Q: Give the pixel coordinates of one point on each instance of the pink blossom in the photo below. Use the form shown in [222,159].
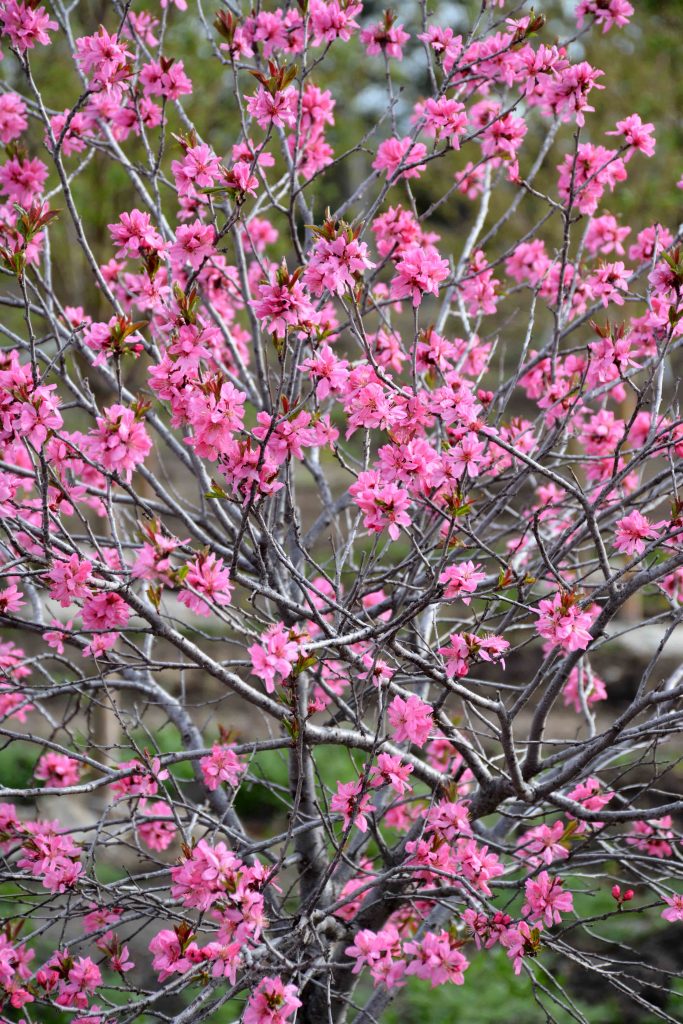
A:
[144,25]
[169,957]
[134,234]
[353,804]
[520,941]
[463,647]
[596,169]
[211,580]
[419,270]
[488,648]
[11,599]
[443,118]
[157,835]
[384,504]
[653,837]
[410,719]
[589,795]
[165,78]
[486,931]
[68,580]
[436,959]
[460,580]
[369,948]
[317,108]
[566,94]
[58,770]
[369,404]
[100,644]
[209,874]
[53,858]
[272,1002]
[116,337]
[118,955]
[543,844]
[609,281]
[259,234]
[449,819]
[120,441]
[466,456]
[470,181]
[226,959]
[270,30]
[194,244]
[104,59]
[283,304]
[583,688]
[221,765]
[248,152]
[398,230]
[39,415]
[480,288]
[607,13]
[604,236]
[456,655]
[240,178]
[333,19]
[545,899]
[54,638]
[80,125]
[529,262]
[650,239]
[390,770]
[153,560]
[142,779]
[330,372]
[275,656]
[561,621]
[674,909]
[82,979]
[393,154]
[277,109]
[100,917]
[632,532]
[504,136]
[199,168]
[385,37]
[478,864]
[286,436]
[22,181]
[26,24]
[215,412]
[12,117]
[105,611]
[335,264]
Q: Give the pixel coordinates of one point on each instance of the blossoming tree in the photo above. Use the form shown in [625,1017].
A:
[321,486]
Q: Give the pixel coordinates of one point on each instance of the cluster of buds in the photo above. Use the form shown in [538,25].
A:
[622,897]
[17,239]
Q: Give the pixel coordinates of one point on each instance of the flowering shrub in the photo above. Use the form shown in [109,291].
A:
[322,486]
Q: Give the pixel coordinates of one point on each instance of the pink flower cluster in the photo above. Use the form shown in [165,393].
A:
[435,957]
[274,658]
[221,765]
[561,621]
